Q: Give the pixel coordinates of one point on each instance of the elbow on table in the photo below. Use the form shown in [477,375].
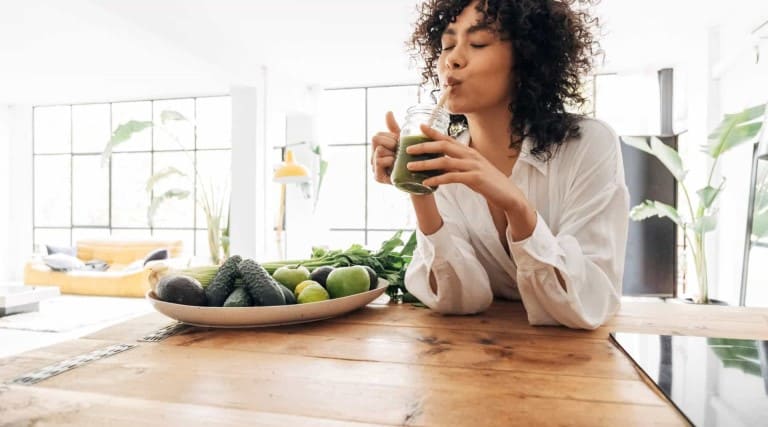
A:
[465,305]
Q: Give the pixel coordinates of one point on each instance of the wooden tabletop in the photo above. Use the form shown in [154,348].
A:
[386,364]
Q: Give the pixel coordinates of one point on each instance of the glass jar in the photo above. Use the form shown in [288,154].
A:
[410,134]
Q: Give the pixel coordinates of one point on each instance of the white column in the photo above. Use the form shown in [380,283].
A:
[249,158]
[19,172]
[5,196]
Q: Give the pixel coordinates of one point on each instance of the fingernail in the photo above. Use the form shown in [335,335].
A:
[410,149]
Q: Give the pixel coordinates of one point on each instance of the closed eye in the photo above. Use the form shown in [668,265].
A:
[447,48]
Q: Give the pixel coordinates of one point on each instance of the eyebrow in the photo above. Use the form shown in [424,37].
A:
[473,29]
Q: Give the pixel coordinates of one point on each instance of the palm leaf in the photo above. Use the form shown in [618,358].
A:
[735,129]
[168,115]
[651,208]
[639,142]
[708,194]
[159,176]
[668,157]
[173,193]
[122,134]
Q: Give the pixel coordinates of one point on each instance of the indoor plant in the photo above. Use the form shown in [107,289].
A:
[215,206]
[698,217]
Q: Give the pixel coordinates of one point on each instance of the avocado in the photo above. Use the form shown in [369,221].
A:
[373,276]
[223,282]
[238,298]
[320,274]
[290,298]
[263,289]
[180,289]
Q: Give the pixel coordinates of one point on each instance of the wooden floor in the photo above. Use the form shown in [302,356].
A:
[382,365]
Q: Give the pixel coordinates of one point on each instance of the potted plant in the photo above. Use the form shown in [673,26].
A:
[698,217]
[215,206]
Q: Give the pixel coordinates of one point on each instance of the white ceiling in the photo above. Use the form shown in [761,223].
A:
[75,50]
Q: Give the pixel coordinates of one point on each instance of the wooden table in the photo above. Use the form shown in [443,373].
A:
[386,364]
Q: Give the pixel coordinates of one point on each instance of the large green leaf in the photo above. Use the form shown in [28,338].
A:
[651,208]
[736,129]
[705,224]
[168,115]
[707,195]
[668,157]
[160,175]
[173,193]
[639,142]
[122,134]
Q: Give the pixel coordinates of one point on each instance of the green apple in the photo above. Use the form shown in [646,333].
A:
[345,281]
[291,275]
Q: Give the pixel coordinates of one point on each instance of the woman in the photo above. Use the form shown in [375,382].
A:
[532,204]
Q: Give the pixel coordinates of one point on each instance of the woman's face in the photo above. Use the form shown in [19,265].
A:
[476,64]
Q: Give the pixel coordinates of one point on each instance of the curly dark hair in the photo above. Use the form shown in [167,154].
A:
[553,47]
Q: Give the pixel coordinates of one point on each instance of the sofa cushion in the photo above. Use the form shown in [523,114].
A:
[63,262]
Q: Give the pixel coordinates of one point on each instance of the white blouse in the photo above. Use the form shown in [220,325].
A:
[582,206]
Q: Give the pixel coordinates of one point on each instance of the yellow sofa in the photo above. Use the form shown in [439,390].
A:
[119,254]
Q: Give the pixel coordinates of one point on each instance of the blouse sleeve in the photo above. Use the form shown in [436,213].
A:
[588,250]
[462,283]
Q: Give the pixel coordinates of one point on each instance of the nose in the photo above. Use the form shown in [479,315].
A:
[455,59]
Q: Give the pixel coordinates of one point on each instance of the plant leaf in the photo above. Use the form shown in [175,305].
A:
[120,135]
[409,246]
[707,195]
[173,193]
[638,142]
[160,175]
[168,115]
[705,224]
[668,157]
[651,208]
[735,129]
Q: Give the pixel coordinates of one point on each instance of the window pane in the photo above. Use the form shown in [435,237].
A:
[343,239]
[52,190]
[90,128]
[342,198]
[214,122]
[342,116]
[214,168]
[380,100]
[123,112]
[173,212]
[138,234]
[89,233]
[130,200]
[180,133]
[50,236]
[90,191]
[187,238]
[52,129]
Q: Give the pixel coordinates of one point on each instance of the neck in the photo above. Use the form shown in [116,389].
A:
[490,135]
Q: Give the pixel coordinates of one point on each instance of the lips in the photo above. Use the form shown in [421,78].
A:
[452,81]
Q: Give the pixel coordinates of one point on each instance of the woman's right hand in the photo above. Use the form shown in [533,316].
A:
[384,145]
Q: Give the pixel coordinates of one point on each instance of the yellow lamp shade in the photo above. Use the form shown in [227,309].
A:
[290,172]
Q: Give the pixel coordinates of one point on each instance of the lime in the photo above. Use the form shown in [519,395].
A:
[313,292]
[300,287]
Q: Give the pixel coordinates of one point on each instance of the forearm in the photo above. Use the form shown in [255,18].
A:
[521,218]
[427,215]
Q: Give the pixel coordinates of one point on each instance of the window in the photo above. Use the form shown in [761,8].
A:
[361,210]
[77,197]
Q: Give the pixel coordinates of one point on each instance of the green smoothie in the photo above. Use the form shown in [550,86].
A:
[407,180]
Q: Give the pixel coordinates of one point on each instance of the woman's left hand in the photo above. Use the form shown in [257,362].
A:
[463,164]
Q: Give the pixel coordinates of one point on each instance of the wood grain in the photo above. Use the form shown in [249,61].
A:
[386,364]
